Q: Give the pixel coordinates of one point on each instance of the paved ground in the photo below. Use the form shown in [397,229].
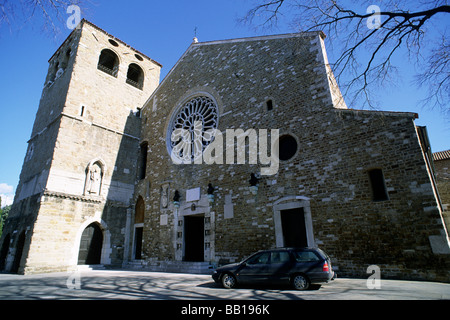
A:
[130,285]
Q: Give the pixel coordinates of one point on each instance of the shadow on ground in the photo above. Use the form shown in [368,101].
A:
[136,285]
[125,285]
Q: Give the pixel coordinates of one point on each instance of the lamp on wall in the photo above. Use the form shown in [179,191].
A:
[210,192]
[176,199]
[253,184]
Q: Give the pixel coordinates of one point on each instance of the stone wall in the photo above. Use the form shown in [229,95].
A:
[442,173]
[83,153]
[328,177]
[442,169]
[59,227]
[108,126]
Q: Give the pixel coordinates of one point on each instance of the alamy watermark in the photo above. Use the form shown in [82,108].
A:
[374,280]
[188,147]
[374,21]
[75,16]
[73,282]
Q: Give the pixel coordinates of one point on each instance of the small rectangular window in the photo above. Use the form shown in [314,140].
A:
[269,105]
[379,191]
[82,111]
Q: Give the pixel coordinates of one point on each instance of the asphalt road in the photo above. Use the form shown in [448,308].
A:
[135,285]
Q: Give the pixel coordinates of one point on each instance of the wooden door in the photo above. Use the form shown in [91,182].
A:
[91,245]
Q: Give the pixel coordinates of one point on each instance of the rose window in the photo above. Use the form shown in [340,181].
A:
[192,129]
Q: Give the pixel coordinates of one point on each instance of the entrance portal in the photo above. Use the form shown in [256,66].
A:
[294,229]
[194,237]
[91,245]
[19,252]
[4,252]
[138,228]
[138,231]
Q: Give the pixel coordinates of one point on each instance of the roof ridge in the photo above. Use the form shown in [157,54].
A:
[115,38]
[259,38]
[109,35]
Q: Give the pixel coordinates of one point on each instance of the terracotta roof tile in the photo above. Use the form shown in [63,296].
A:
[441,155]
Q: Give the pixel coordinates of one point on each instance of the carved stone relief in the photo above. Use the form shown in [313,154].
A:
[165,195]
[94,178]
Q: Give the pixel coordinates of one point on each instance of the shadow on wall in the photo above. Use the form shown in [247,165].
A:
[103,241]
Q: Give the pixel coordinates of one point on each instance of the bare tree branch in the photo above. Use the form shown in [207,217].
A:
[271,8]
[399,28]
[17,13]
[437,75]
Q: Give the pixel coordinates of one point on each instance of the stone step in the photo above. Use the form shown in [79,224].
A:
[171,266]
[90,267]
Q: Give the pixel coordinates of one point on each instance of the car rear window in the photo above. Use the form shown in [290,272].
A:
[323,254]
[305,256]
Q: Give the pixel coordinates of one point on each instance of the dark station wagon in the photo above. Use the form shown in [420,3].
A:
[299,267]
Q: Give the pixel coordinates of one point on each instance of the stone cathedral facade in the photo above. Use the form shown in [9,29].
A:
[247,144]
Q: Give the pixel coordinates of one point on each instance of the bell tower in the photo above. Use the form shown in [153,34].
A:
[80,168]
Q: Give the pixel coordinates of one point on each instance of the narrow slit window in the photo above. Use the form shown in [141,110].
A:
[269,105]
[377,182]
[143,161]
[55,71]
[66,59]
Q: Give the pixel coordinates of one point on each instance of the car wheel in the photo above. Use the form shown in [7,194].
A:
[300,282]
[228,281]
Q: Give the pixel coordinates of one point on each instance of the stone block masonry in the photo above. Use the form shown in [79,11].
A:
[326,179]
[81,165]
[442,174]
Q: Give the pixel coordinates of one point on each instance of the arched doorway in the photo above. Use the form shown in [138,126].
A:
[4,252]
[91,243]
[18,255]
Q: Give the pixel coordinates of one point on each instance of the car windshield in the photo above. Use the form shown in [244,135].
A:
[248,257]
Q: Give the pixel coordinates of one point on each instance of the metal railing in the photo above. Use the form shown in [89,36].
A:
[134,83]
[112,72]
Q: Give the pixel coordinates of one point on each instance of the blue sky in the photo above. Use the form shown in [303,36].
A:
[163,30]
